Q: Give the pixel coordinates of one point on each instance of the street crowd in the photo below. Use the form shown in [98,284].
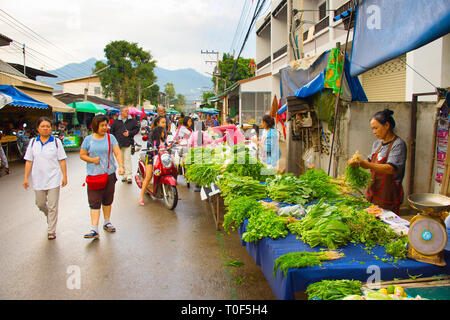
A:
[108,150]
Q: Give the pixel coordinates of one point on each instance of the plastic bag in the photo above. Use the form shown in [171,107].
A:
[296,211]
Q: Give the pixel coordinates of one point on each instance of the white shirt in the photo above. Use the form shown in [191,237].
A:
[46,171]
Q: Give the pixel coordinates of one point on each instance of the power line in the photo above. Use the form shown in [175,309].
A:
[19,48]
[255,16]
[239,25]
[40,61]
[49,42]
[23,29]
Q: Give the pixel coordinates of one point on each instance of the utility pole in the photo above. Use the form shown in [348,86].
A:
[24,66]
[216,70]
[139,90]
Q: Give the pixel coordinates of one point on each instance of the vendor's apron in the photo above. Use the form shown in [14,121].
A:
[384,191]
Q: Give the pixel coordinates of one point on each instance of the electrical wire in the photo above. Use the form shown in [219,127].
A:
[42,62]
[256,14]
[38,39]
[38,35]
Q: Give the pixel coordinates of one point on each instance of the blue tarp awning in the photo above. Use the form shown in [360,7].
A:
[343,15]
[20,99]
[305,83]
[386,29]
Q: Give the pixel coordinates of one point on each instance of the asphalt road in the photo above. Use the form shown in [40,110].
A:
[155,253]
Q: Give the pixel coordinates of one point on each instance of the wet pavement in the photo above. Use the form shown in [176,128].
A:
[155,253]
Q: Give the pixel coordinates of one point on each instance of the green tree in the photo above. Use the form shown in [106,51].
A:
[169,90]
[207,95]
[129,67]
[180,100]
[242,71]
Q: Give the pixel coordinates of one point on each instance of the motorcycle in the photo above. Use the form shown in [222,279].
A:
[163,184]
[22,141]
[178,154]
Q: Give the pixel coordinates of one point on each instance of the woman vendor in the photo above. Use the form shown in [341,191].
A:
[387,163]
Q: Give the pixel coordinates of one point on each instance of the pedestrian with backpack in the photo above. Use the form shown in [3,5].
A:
[45,160]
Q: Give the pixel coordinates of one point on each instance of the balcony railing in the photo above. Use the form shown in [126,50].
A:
[263,63]
[343,8]
[322,24]
[280,52]
[347,23]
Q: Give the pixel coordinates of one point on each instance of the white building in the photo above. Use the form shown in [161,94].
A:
[80,85]
[314,31]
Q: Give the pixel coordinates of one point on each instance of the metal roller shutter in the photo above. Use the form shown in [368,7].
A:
[386,82]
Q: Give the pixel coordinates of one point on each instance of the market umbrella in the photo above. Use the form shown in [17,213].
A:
[109,109]
[4,100]
[136,112]
[86,106]
[209,111]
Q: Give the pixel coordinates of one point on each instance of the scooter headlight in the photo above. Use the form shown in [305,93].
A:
[166,160]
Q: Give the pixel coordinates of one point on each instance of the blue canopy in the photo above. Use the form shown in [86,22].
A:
[386,29]
[20,99]
[305,83]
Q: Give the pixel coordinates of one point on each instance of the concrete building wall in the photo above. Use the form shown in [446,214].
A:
[428,61]
[94,88]
[263,45]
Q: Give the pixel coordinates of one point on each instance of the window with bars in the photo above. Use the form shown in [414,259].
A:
[322,10]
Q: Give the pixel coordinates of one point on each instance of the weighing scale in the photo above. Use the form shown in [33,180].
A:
[427,236]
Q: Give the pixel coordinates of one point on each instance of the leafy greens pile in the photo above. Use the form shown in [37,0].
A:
[303,259]
[265,224]
[333,289]
[288,189]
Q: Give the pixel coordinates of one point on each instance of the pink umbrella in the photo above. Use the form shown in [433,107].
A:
[136,112]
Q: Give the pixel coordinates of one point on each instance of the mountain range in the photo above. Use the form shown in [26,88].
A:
[188,82]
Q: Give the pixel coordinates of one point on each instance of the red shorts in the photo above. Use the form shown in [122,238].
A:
[105,196]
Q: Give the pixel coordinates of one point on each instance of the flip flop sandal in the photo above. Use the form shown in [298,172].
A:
[109,227]
[51,236]
[92,235]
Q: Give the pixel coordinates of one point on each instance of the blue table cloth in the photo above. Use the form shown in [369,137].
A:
[355,265]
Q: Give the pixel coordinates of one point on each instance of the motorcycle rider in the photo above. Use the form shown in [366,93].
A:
[157,139]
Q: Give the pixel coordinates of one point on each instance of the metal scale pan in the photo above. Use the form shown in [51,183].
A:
[427,234]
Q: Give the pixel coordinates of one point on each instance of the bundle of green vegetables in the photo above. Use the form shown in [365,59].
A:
[288,189]
[357,177]
[398,248]
[365,227]
[265,224]
[233,186]
[336,225]
[246,165]
[323,225]
[202,174]
[320,182]
[333,289]
[303,259]
[238,210]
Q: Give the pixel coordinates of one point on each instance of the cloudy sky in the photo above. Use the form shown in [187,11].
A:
[174,31]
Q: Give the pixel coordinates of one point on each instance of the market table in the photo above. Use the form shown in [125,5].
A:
[355,265]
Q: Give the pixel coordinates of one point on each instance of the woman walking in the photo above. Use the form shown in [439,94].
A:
[45,160]
[98,150]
